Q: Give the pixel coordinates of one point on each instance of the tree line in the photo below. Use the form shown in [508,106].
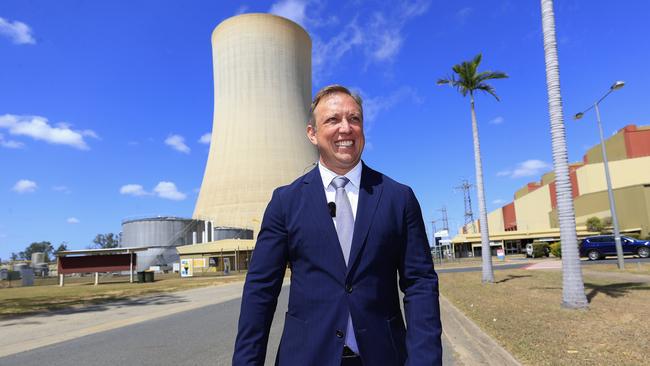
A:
[101,241]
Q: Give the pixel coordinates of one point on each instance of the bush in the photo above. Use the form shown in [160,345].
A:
[594,224]
[540,249]
[607,221]
[556,249]
[634,235]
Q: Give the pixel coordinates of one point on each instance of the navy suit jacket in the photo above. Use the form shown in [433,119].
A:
[389,248]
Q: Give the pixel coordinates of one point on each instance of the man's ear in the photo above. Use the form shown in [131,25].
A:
[311,134]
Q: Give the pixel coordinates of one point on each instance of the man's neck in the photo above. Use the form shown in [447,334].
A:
[340,172]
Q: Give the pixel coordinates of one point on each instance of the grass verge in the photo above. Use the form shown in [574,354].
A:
[80,292]
[634,268]
[522,312]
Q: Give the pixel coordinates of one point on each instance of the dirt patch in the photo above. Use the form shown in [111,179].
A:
[522,312]
[81,292]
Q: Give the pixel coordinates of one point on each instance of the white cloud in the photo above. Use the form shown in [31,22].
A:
[10,144]
[169,191]
[497,121]
[38,128]
[205,138]
[380,38]
[133,190]
[242,9]
[18,32]
[327,54]
[528,168]
[63,189]
[498,201]
[463,14]
[373,106]
[177,142]
[72,220]
[25,186]
[290,9]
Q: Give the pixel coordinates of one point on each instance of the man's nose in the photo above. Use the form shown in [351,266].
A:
[344,126]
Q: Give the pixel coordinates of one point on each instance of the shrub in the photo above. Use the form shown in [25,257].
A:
[634,235]
[556,249]
[607,221]
[540,249]
[594,224]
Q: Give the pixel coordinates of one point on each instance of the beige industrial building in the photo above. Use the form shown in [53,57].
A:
[532,214]
[262,93]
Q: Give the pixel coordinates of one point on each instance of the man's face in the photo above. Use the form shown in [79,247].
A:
[338,133]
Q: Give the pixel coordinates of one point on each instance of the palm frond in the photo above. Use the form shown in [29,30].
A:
[488,89]
[490,75]
[466,79]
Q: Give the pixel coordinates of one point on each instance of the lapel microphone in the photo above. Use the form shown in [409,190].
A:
[331,206]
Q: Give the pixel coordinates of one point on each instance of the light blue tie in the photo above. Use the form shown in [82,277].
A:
[344,230]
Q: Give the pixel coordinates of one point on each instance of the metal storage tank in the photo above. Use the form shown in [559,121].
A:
[38,258]
[262,94]
[164,232]
[221,233]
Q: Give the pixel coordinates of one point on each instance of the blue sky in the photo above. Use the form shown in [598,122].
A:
[103,104]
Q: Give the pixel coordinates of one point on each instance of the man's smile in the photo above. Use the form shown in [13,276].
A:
[344,143]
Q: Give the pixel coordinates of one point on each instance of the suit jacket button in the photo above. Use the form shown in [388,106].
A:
[348,288]
[339,334]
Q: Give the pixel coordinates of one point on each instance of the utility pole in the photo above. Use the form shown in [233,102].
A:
[467,197]
[433,229]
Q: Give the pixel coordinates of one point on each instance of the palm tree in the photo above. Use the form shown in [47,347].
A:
[467,80]
[573,289]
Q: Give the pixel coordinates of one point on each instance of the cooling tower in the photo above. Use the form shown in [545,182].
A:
[262,93]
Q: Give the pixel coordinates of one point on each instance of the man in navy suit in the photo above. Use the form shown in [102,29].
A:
[350,236]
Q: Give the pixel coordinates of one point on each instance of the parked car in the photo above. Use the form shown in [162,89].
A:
[597,247]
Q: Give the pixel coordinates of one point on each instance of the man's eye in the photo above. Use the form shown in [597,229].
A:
[331,120]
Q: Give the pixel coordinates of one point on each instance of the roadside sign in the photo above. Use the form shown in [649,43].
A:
[186,268]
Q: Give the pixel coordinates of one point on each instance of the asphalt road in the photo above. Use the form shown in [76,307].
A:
[203,336]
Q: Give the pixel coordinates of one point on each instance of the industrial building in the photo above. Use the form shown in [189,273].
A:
[532,215]
[162,234]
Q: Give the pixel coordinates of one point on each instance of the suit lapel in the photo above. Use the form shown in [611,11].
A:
[316,204]
[369,194]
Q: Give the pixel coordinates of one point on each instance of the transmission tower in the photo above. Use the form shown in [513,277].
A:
[469,215]
[445,220]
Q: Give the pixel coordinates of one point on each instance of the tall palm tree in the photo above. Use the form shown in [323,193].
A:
[573,289]
[468,80]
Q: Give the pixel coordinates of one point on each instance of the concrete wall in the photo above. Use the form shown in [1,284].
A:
[628,172]
[615,146]
[532,210]
[632,204]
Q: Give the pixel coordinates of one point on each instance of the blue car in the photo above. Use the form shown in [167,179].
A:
[597,247]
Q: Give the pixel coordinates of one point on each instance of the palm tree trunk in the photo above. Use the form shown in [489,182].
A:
[486,253]
[573,290]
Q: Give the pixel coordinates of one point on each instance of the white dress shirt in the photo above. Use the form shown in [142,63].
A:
[352,188]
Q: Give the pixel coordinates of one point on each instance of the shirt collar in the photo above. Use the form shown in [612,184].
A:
[354,175]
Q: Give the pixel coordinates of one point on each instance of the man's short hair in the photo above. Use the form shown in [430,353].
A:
[327,91]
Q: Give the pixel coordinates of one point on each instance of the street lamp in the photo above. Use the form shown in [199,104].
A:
[612,205]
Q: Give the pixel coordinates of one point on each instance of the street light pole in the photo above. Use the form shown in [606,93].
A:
[610,191]
[610,194]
